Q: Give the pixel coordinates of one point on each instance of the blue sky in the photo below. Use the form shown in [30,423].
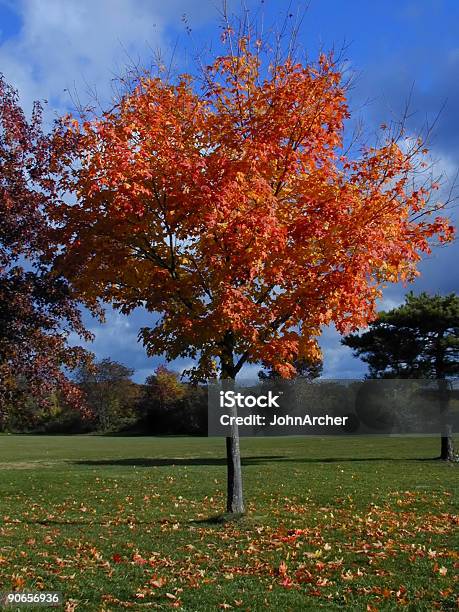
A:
[59,50]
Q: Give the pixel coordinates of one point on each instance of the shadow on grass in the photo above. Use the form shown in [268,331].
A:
[216,520]
[223,519]
[247,461]
[150,462]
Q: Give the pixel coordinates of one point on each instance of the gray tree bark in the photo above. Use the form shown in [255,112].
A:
[235,498]
[447,445]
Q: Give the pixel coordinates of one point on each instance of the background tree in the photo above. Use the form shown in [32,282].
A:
[160,406]
[165,385]
[37,309]
[109,392]
[228,203]
[169,406]
[419,339]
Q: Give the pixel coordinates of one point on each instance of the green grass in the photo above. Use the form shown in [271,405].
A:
[116,523]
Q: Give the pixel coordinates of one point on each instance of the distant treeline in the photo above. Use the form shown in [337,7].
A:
[113,403]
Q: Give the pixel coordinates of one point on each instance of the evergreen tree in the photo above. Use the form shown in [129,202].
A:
[419,339]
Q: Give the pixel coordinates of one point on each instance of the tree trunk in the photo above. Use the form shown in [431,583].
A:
[447,446]
[234,499]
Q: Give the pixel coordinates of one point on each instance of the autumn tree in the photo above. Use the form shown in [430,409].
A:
[166,407]
[227,203]
[37,309]
[419,339]
[109,392]
[165,385]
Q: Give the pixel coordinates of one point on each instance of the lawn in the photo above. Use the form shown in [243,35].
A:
[115,523]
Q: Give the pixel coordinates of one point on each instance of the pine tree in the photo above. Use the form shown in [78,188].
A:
[419,339]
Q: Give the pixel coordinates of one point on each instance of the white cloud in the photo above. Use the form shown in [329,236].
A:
[76,44]
[387,303]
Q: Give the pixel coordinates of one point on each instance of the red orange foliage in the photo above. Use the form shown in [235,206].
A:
[230,208]
[37,309]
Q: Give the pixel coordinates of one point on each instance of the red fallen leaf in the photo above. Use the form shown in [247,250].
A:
[304,575]
[117,558]
[282,569]
[298,532]
[157,583]
[138,559]
[290,538]
[287,582]
[17,581]
[319,565]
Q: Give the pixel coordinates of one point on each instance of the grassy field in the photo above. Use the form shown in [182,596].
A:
[131,523]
